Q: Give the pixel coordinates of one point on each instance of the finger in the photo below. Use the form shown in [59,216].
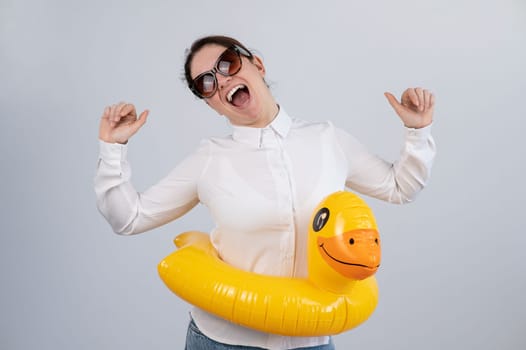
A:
[427,99]
[140,122]
[112,114]
[143,117]
[118,111]
[432,101]
[105,118]
[421,102]
[410,95]
[394,102]
[128,109]
[106,113]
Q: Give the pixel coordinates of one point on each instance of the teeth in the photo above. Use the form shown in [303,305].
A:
[233,91]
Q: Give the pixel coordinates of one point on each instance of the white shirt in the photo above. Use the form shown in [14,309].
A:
[261,186]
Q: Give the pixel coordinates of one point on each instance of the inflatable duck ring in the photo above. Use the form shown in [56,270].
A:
[339,293]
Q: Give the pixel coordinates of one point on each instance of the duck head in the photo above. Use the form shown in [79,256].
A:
[344,244]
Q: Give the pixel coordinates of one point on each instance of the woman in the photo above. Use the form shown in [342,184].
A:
[261,183]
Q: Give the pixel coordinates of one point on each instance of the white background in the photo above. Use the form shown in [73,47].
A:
[453,267]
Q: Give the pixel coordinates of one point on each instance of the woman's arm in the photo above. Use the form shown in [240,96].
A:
[397,182]
[127,210]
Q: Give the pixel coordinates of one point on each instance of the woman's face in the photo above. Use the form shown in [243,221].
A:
[243,98]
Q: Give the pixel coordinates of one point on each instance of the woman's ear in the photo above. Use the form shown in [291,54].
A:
[258,62]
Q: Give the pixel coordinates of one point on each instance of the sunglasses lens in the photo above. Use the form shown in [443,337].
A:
[229,63]
[206,84]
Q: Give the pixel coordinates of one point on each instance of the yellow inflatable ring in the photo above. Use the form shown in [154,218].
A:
[339,293]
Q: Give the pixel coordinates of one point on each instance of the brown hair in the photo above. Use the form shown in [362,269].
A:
[197,45]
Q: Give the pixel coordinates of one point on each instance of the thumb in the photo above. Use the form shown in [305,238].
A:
[140,122]
[397,106]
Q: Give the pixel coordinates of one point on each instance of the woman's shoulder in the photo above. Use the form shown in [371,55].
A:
[218,143]
[316,126]
[217,140]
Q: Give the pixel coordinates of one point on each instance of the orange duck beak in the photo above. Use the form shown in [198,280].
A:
[355,254]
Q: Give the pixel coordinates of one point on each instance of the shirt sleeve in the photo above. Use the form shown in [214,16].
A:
[397,182]
[128,211]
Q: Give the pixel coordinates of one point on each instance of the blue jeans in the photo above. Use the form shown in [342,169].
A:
[195,340]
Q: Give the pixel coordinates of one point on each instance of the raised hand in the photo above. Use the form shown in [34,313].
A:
[119,122]
[416,107]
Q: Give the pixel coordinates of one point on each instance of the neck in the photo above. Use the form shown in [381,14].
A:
[271,113]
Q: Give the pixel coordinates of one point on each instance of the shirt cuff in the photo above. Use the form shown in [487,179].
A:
[112,151]
[419,134]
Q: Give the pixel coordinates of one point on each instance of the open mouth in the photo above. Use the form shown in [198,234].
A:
[238,96]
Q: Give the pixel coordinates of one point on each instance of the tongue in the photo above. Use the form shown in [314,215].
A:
[240,97]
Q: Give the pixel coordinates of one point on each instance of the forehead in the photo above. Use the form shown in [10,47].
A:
[205,58]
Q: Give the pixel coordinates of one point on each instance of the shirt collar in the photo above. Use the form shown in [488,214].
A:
[280,125]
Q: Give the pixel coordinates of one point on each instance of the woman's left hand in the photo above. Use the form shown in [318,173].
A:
[416,107]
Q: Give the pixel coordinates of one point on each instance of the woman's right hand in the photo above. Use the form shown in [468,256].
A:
[119,122]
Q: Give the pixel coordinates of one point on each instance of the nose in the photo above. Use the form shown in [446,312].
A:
[222,81]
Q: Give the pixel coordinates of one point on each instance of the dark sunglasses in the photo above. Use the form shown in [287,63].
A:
[228,64]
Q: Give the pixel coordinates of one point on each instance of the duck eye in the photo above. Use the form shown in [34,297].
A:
[320,219]
[376,240]
[351,241]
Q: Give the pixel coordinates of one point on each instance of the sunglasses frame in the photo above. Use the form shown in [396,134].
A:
[239,51]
